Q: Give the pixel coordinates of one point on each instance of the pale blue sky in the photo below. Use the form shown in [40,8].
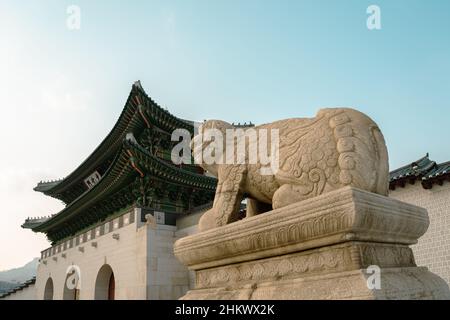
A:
[61,91]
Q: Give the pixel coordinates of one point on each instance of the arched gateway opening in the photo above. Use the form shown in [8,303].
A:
[48,291]
[105,284]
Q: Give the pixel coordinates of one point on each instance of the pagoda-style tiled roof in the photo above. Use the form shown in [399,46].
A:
[438,171]
[156,167]
[140,111]
[131,167]
[21,286]
[109,194]
[118,173]
[424,170]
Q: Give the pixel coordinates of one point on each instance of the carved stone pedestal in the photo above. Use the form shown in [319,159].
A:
[320,248]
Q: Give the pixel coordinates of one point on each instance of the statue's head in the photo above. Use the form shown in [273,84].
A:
[203,139]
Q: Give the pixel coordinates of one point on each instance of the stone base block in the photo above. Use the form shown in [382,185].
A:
[395,284]
[320,248]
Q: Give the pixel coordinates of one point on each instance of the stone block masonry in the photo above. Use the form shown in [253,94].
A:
[140,254]
[433,249]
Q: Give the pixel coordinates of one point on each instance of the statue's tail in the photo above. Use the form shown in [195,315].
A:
[363,157]
[382,182]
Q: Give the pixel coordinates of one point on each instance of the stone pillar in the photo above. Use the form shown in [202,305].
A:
[321,248]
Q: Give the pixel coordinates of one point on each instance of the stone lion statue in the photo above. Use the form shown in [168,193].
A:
[337,148]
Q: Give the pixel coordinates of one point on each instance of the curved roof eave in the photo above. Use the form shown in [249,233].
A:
[130,119]
[127,121]
[173,173]
[117,172]
[121,170]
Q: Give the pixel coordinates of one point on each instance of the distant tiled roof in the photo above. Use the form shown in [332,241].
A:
[426,171]
[22,286]
[439,170]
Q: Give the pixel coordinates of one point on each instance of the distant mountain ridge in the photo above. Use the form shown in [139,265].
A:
[19,275]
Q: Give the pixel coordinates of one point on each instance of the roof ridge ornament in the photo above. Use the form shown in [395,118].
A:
[138,84]
[130,137]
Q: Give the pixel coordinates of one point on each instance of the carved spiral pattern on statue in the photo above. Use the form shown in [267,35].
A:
[336,259]
[335,149]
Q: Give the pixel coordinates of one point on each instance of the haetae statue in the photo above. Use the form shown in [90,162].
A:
[328,229]
[337,148]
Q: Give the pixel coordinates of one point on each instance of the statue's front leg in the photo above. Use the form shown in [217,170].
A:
[227,200]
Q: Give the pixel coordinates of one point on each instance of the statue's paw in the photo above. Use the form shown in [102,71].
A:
[208,221]
[288,194]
